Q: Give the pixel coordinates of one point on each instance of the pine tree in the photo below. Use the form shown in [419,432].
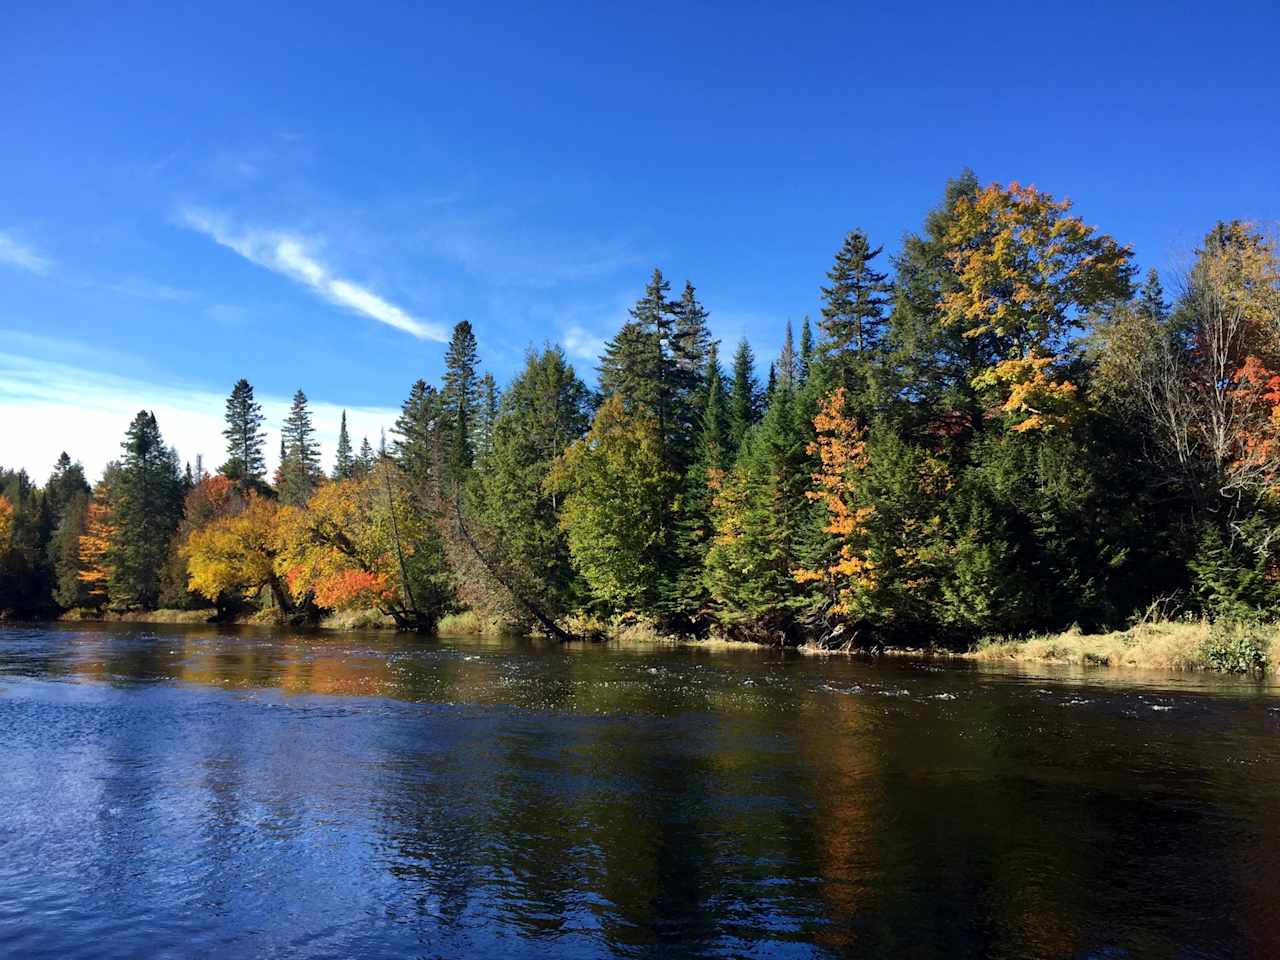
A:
[146,509]
[300,469]
[744,395]
[245,437]
[343,463]
[461,397]
[854,304]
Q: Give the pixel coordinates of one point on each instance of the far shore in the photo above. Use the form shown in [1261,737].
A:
[1173,646]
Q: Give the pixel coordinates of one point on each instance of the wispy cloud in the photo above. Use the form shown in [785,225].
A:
[582,344]
[49,406]
[16,254]
[141,288]
[288,254]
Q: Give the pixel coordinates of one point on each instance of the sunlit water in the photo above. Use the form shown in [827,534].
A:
[176,792]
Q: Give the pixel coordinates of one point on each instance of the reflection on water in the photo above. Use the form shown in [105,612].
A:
[191,792]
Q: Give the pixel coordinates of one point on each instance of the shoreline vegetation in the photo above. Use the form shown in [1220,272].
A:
[1162,645]
[994,432]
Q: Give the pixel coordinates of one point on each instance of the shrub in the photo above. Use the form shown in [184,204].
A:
[1236,647]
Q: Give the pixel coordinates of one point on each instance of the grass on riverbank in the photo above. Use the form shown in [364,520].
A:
[1160,645]
[141,616]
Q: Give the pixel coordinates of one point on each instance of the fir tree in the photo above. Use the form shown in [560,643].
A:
[1151,298]
[715,441]
[364,460]
[854,305]
[244,434]
[344,462]
[787,366]
[806,350]
[744,396]
[300,470]
[146,510]
[487,417]
[461,398]
[630,367]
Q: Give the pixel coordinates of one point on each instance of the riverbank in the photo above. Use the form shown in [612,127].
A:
[1160,645]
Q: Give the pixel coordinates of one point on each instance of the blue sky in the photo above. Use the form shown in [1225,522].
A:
[311,195]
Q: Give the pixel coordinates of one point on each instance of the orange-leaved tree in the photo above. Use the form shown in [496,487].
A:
[841,449]
[95,546]
[6,522]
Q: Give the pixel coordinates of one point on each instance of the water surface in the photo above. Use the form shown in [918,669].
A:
[196,792]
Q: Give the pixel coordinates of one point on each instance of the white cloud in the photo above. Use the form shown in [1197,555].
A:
[287,254]
[582,344]
[14,253]
[48,407]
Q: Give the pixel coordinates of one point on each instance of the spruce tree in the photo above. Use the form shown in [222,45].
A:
[487,417]
[244,434]
[514,516]
[419,447]
[344,462]
[630,367]
[146,510]
[744,396]
[854,305]
[1151,298]
[689,351]
[364,460]
[66,482]
[806,350]
[300,470]
[787,365]
[461,396]
[714,442]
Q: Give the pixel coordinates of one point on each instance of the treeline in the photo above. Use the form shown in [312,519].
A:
[997,432]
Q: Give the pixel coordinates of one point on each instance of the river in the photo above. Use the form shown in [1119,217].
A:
[203,792]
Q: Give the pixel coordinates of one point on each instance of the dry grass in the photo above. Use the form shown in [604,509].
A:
[142,616]
[1160,645]
[474,624]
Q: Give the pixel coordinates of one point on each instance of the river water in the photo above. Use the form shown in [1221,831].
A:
[198,792]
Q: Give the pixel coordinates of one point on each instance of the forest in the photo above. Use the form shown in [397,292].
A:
[997,431]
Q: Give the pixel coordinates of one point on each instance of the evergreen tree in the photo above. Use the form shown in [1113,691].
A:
[461,399]
[617,495]
[854,305]
[744,395]
[364,460]
[787,367]
[630,368]
[1151,298]
[689,351]
[344,462]
[488,415]
[760,516]
[515,516]
[65,483]
[715,441]
[419,446]
[146,510]
[806,350]
[70,591]
[245,437]
[300,468]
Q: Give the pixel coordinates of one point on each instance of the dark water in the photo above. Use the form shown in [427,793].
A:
[195,793]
